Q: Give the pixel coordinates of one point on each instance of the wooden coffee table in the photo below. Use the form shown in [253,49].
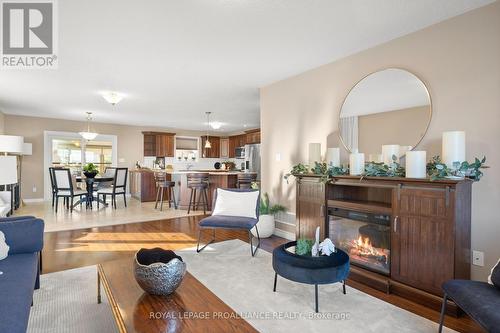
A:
[191,308]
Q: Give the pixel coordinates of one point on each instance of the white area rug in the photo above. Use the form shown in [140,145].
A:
[67,302]
[246,285]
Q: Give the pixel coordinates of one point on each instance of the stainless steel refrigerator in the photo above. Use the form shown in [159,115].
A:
[252,159]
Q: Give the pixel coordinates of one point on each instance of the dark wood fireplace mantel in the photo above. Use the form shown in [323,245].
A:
[430,228]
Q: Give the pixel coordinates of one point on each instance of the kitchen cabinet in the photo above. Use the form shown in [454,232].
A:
[214,151]
[143,184]
[252,136]
[224,147]
[236,141]
[149,144]
[159,144]
[165,145]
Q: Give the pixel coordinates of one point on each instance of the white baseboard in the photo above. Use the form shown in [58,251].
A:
[284,234]
[33,200]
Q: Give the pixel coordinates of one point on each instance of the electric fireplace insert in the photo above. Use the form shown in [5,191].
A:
[365,237]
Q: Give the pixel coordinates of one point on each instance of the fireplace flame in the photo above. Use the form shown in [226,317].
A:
[363,247]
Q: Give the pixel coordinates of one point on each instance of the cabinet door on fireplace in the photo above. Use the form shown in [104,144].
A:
[422,238]
[310,208]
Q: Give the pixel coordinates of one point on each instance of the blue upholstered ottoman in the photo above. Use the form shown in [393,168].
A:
[308,269]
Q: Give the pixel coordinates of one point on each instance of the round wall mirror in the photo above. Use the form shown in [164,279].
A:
[388,107]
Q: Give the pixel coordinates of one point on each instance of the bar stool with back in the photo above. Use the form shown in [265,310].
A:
[198,181]
[161,184]
[246,179]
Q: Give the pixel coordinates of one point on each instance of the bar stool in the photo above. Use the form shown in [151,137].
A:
[198,181]
[161,184]
[245,180]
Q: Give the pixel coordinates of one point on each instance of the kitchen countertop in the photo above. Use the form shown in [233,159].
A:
[181,172]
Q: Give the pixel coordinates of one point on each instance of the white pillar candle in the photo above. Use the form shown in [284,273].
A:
[333,157]
[377,158]
[356,163]
[314,153]
[416,164]
[388,151]
[453,149]
[403,150]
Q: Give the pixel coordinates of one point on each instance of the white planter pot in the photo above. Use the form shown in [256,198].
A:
[265,225]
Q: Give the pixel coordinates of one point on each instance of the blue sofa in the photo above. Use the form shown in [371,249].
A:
[21,271]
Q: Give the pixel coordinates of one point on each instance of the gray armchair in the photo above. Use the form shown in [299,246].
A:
[480,300]
[231,222]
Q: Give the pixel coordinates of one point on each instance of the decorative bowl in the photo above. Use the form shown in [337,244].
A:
[158,271]
[90,174]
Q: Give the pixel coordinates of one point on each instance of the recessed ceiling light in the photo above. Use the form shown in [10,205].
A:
[112,97]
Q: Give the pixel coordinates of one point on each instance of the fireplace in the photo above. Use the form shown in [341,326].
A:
[366,237]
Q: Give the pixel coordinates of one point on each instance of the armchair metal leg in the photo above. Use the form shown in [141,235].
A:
[199,238]
[275,281]
[443,310]
[251,241]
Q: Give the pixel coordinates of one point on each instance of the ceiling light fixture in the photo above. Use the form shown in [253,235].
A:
[88,135]
[112,97]
[208,145]
[216,125]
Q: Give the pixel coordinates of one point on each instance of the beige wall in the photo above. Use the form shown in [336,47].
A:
[403,127]
[459,60]
[130,144]
[2,122]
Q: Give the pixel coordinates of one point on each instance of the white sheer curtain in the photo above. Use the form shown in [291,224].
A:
[349,131]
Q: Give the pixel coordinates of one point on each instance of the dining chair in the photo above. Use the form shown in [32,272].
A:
[52,185]
[65,189]
[119,187]
[108,172]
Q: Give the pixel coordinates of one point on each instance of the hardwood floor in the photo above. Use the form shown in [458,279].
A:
[77,248]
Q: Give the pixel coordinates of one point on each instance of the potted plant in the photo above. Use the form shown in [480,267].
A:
[90,170]
[266,218]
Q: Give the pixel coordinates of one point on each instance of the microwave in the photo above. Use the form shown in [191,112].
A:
[239,152]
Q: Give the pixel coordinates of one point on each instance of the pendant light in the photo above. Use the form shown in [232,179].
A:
[208,145]
[88,135]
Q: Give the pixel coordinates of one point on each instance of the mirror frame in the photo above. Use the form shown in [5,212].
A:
[380,70]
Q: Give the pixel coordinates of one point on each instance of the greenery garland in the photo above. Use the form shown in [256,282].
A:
[436,170]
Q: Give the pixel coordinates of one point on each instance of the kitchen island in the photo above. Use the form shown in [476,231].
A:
[217,179]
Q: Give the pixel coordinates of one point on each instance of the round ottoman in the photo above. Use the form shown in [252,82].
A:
[309,269]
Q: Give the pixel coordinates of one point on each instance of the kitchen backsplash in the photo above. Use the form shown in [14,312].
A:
[202,163]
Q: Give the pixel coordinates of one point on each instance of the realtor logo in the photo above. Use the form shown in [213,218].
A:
[28,34]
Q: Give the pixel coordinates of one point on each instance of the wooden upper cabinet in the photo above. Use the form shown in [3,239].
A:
[164,145]
[252,136]
[158,144]
[149,144]
[422,239]
[224,147]
[214,151]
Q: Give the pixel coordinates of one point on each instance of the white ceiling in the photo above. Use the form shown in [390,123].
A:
[387,90]
[177,59]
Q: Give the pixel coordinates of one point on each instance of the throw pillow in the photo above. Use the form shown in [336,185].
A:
[4,248]
[232,203]
[4,207]
[494,277]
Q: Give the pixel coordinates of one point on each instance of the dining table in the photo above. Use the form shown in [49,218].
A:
[89,185]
